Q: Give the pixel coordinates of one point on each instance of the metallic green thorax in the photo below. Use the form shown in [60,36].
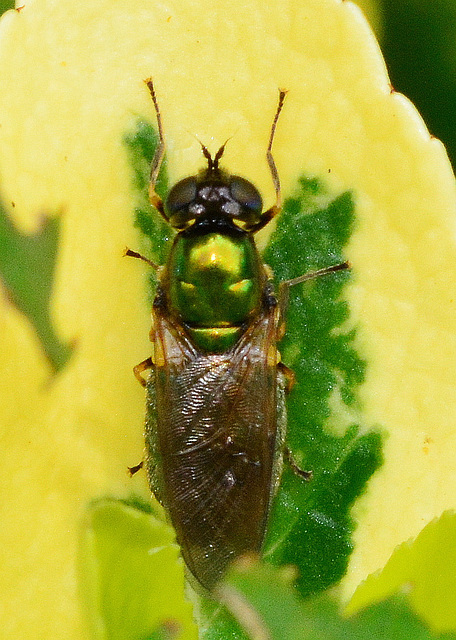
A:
[215,281]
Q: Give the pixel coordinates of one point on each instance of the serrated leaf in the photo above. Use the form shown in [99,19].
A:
[418,43]
[265,603]
[428,563]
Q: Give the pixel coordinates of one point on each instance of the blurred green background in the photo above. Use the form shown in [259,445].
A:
[418,41]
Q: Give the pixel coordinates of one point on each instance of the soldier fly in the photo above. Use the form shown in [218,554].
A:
[216,420]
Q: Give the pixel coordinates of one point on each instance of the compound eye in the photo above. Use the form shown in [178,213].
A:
[177,203]
[248,197]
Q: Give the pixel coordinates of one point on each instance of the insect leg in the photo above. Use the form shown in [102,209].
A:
[284,289]
[289,376]
[135,254]
[154,198]
[142,366]
[133,470]
[277,206]
[306,475]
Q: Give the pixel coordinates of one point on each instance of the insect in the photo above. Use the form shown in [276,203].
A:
[216,419]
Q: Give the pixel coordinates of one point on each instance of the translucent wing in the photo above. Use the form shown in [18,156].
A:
[215,436]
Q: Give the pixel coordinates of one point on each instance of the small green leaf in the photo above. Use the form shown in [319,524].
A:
[429,564]
[27,264]
[266,604]
[132,581]
[216,622]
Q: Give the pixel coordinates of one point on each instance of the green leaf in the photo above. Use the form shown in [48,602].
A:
[131,579]
[27,264]
[5,5]
[266,604]
[216,622]
[166,631]
[429,564]
[310,526]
